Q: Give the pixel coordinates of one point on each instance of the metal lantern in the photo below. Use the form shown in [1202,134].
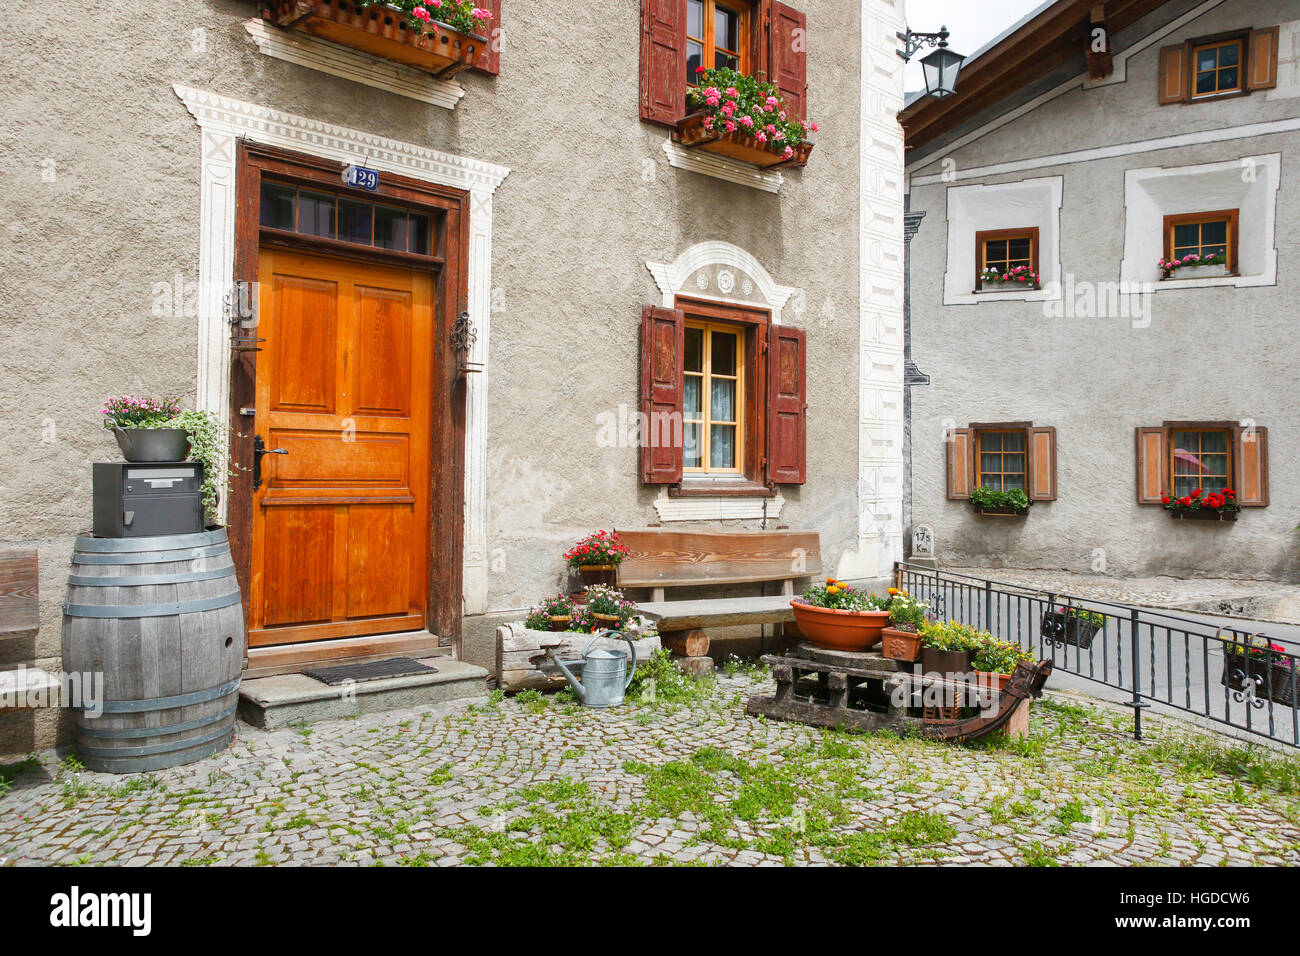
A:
[941,68]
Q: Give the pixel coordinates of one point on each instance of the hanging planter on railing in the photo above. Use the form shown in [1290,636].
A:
[401,32]
[1253,666]
[1071,625]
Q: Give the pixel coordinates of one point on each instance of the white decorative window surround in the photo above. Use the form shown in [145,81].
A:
[303,49]
[1248,185]
[701,508]
[1030,203]
[722,167]
[223,121]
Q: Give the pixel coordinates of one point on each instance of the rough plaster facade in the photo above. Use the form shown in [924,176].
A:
[103,205]
[1209,352]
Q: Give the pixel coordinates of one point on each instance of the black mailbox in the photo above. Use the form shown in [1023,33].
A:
[140,500]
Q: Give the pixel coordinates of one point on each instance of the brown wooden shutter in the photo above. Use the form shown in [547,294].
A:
[1261,64]
[490,61]
[788,58]
[787,405]
[1175,83]
[961,462]
[760,39]
[663,61]
[1252,469]
[663,347]
[1152,465]
[1042,463]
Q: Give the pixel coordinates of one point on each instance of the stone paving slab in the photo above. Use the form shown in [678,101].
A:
[533,780]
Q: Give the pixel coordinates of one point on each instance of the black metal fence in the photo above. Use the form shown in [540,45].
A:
[1233,676]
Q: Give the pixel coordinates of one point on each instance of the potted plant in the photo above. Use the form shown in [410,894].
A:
[1256,662]
[606,610]
[1072,625]
[998,280]
[901,640]
[993,661]
[442,37]
[597,558]
[553,614]
[1216,506]
[742,117]
[1195,266]
[947,648]
[1011,502]
[144,430]
[837,617]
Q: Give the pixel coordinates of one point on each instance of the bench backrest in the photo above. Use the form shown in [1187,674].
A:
[19,600]
[665,559]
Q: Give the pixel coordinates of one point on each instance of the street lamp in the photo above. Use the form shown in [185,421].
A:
[941,67]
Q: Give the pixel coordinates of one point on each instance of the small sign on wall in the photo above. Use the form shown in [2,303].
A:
[359,177]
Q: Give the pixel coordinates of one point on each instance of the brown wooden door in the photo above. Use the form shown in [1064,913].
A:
[341,523]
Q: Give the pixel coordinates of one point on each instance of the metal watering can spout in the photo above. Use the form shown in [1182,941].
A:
[605,671]
[573,681]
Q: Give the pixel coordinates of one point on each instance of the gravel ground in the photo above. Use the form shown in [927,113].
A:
[534,780]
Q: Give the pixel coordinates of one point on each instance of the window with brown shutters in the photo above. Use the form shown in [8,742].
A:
[1176,458]
[1214,67]
[761,38]
[1002,456]
[723,400]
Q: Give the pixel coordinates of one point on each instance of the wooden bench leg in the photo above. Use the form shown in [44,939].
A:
[695,666]
[784,678]
[692,643]
[838,685]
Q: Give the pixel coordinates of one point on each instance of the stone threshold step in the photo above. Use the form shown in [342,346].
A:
[285,699]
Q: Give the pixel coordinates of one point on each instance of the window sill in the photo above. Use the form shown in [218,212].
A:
[1018,288]
[715,507]
[712,488]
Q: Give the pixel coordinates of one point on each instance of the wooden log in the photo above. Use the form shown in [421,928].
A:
[691,643]
[695,666]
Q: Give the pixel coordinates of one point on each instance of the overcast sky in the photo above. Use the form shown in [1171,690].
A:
[972,23]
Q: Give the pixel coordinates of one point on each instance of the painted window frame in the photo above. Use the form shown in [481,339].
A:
[1231,216]
[707,421]
[1200,430]
[1001,428]
[984,237]
[1194,47]
[708,42]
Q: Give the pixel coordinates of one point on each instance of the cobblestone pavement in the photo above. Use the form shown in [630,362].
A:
[1257,600]
[533,780]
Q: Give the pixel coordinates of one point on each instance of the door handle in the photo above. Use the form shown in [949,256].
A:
[260,449]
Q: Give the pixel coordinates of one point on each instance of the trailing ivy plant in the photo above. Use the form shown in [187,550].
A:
[986,497]
[209,440]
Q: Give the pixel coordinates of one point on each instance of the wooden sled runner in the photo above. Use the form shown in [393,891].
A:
[826,689]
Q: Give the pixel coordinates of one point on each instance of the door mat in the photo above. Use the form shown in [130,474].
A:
[369,670]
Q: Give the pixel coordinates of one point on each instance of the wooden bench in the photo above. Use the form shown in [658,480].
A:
[20,618]
[663,559]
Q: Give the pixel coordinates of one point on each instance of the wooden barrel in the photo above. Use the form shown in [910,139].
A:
[161,620]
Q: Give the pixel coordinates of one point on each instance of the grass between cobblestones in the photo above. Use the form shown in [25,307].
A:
[680,776]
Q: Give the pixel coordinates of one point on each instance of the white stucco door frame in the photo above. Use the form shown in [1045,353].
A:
[222,122]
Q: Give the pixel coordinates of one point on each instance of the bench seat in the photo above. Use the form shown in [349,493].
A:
[718,612]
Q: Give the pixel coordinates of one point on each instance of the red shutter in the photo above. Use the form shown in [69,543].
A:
[663,61]
[787,406]
[663,341]
[490,61]
[1152,465]
[1175,83]
[1261,63]
[961,462]
[788,59]
[1252,472]
[1042,463]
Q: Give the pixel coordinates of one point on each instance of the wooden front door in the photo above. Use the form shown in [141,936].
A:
[341,523]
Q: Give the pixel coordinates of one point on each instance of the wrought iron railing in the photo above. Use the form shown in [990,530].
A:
[1220,674]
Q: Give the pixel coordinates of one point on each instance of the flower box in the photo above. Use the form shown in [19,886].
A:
[1272,681]
[900,645]
[1206,514]
[997,285]
[382,31]
[693,132]
[1198,272]
[1003,511]
[1062,627]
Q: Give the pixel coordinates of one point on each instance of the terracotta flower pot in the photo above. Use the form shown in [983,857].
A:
[560,622]
[839,630]
[606,574]
[997,682]
[900,645]
[604,622]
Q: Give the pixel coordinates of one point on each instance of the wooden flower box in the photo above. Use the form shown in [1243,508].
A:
[691,133]
[1205,514]
[382,31]
[1000,511]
